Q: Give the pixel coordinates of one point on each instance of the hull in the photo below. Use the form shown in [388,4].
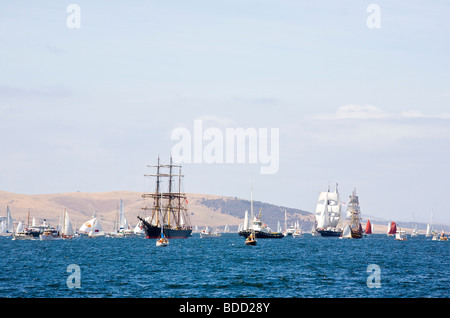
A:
[330,233]
[49,238]
[154,232]
[356,235]
[260,234]
[28,235]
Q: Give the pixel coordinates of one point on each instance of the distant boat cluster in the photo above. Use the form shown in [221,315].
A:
[168,218]
[31,230]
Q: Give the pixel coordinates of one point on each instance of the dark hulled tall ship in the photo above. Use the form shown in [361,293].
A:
[167,209]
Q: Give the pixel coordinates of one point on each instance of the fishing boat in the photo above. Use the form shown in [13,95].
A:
[353,218]
[255,224]
[400,235]
[392,229]
[209,233]
[170,207]
[251,239]
[328,213]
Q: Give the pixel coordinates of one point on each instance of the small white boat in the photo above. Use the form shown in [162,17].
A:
[297,233]
[400,235]
[207,232]
[162,242]
[251,239]
[50,234]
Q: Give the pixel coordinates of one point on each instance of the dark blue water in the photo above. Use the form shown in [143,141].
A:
[225,267]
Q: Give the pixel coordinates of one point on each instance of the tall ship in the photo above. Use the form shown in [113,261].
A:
[167,210]
[328,213]
[353,228]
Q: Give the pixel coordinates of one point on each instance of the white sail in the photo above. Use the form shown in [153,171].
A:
[138,228]
[87,226]
[329,204]
[19,227]
[96,229]
[67,226]
[123,223]
[428,233]
[2,227]
[279,227]
[347,233]
[246,225]
[9,221]
[323,220]
[92,227]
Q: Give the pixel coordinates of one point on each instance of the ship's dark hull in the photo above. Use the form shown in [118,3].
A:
[155,232]
[260,234]
[356,234]
[152,231]
[329,233]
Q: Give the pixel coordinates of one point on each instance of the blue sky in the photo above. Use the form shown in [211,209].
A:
[87,109]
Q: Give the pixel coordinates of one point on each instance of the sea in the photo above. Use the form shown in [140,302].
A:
[376,266]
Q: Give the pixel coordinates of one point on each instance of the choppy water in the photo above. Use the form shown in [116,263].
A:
[225,267]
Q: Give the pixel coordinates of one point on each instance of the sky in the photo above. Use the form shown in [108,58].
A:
[88,108]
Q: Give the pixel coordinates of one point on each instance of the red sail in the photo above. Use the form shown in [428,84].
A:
[393,228]
[368,228]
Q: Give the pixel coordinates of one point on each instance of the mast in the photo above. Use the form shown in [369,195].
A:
[164,204]
[251,198]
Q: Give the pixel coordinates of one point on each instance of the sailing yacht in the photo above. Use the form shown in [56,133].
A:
[328,213]
[369,228]
[429,231]
[392,229]
[67,230]
[92,228]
